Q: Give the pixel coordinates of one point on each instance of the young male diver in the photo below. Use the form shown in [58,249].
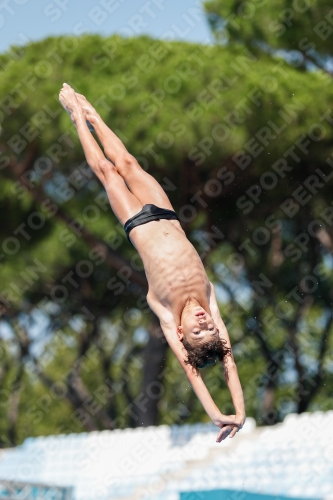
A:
[180,293]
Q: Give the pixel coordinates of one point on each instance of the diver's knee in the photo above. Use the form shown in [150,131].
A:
[126,165]
[105,169]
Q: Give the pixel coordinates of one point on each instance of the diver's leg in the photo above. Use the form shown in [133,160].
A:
[123,203]
[143,186]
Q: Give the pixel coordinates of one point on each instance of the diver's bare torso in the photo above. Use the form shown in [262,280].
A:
[173,267]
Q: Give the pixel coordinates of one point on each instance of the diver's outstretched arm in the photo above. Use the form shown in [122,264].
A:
[227,423]
[228,363]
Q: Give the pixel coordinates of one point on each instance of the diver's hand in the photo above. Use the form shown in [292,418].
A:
[222,420]
[225,432]
[239,421]
[229,425]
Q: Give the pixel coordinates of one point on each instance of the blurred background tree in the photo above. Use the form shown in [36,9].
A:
[232,135]
[300,31]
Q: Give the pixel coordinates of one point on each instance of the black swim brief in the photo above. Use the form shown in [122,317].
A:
[148,213]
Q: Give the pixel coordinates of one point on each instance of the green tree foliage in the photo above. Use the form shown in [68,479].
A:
[304,29]
[244,156]
[302,35]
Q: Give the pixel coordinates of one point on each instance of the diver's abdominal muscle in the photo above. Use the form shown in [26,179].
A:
[171,262]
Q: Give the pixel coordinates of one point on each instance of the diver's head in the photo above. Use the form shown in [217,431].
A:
[200,337]
[196,325]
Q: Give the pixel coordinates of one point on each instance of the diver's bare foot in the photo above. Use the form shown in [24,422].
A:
[88,109]
[67,98]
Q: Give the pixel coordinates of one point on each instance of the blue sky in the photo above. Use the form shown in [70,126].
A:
[23,20]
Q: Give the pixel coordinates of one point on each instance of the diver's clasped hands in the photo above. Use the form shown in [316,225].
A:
[229,425]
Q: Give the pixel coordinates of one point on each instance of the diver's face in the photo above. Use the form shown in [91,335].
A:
[197,325]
